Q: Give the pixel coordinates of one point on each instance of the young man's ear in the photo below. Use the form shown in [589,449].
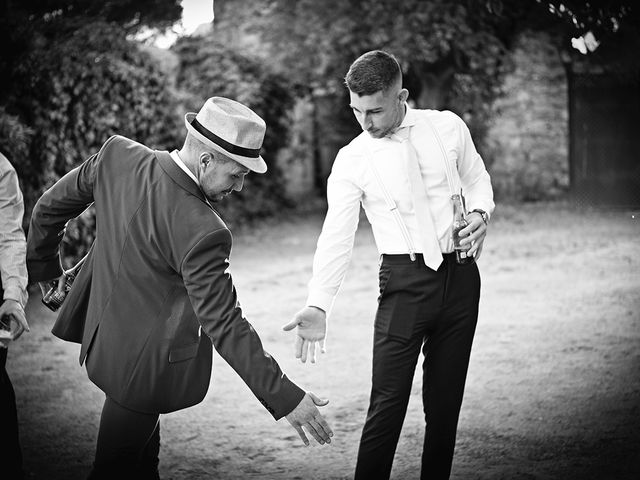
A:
[403,95]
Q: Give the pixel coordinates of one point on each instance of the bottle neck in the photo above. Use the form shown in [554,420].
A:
[458,211]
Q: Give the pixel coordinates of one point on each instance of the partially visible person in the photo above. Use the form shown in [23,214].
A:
[155,291]
[14,298]
[405,169]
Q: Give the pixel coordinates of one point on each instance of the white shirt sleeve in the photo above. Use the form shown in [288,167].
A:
[335,243]
[476,182]
[13,268]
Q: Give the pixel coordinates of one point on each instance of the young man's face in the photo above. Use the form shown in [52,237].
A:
[379,113]
[220,176]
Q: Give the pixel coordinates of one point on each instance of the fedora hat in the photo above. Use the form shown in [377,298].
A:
[231,129]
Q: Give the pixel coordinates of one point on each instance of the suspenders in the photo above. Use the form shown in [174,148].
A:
[453,179]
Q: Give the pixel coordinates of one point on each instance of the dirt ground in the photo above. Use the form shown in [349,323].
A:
[554,383]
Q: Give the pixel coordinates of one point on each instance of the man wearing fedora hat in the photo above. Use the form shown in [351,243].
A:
[154,292]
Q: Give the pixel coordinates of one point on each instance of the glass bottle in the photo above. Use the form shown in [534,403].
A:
[459,223]
[56,298]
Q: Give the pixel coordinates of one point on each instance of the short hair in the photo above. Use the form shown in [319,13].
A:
[373,72]
[196,146]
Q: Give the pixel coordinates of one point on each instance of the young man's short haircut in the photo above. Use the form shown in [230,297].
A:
[373,72]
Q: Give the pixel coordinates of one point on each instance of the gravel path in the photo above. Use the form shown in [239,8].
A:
[554,383]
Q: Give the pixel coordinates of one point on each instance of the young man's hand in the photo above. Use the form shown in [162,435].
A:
[312,332]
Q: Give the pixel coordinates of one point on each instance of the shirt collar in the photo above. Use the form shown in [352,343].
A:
[410,117]
[176,158]
[402,132]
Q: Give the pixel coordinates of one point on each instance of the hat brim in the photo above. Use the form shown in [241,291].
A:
[257,165]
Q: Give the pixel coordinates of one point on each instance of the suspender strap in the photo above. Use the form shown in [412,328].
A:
[393,208]
[453,179]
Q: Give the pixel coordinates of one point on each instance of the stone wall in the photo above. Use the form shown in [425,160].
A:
[528,138]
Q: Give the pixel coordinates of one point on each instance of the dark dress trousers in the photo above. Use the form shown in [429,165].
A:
[155,291]
[11,454]
[435,312]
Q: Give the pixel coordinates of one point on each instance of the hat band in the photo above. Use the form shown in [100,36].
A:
[229,147]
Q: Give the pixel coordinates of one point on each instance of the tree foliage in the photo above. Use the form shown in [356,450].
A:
[76,94]
[131,14]
[453,54]
[72,94]
[209,68]
[450,51]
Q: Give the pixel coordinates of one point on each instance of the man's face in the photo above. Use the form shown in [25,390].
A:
[380,113]
[219,176]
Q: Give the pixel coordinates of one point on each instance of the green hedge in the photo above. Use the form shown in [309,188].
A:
[75,93]
[207,69]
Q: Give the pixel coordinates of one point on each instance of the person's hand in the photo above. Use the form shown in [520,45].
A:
[306,415]
[473,234]
[312,331]
[47,285]
[12,310]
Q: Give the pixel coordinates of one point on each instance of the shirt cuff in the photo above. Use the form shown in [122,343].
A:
[17,294]
[320,299]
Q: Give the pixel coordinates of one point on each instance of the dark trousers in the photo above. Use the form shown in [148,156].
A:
[128,444]
[436,312]
[11,465]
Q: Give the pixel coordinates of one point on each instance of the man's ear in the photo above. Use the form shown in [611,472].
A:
[205,158]
[403,95]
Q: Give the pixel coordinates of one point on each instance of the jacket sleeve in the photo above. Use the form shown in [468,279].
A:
[213,297]
[66,199]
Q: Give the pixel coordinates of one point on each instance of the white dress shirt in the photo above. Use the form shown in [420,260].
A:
[353,183]
[176,158]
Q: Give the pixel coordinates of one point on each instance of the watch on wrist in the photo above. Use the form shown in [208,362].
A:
[483,214]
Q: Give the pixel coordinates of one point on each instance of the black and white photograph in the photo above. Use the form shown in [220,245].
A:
[319,239]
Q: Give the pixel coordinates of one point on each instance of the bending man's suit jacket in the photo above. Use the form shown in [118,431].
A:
[155,278]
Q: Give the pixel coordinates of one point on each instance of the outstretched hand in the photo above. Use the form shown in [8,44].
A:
[306,415]
[312,332]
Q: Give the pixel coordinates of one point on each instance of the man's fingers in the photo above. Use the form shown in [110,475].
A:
[303,437]
[22,321]
[291,325]
[312,347]
[316,432]
[61,283]
[317,400]
[305,349]
[324,425]
[46,293]
[298,347]
[24,324]
[19,331]
[43,288]
[322,428]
